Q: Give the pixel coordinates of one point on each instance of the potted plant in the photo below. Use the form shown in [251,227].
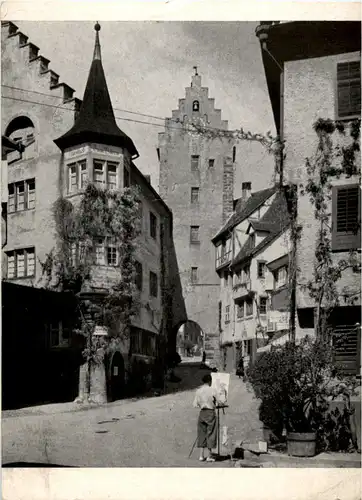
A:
[264,375]
[296,383]
[272,419]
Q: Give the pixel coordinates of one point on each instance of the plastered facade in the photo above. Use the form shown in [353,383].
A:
[311,81]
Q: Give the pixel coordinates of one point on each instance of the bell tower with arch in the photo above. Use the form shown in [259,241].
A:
[197,183]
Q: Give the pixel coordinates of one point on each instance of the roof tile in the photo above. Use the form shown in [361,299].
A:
[277,219]
[244,209]
[96,121]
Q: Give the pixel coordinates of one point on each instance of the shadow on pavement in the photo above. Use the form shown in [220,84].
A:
[190,373]
[32,464]
[188,377]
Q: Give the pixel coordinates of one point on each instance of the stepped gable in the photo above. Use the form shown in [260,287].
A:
[96,121]
[43,63]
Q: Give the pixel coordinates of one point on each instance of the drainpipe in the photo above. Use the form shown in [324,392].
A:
[293,259]
[262,32]
[232,285]
[263,35]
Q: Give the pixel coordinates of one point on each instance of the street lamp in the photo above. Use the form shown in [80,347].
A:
[91,303]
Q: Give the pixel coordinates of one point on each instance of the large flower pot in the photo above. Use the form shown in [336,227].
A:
[301,444]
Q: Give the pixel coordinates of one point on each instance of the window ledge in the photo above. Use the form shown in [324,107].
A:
[21,277]
[106,265]
[60,346]
[348,118]
[75,193]
[346,250]
[279,289]
[21,211]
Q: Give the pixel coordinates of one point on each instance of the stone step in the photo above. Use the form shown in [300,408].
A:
[250,458]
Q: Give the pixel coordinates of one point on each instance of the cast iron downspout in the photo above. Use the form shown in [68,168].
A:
[263,37]
[293,259]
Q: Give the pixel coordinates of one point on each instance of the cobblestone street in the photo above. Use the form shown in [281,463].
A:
[150,432]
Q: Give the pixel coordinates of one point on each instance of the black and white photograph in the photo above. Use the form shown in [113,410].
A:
[181,238]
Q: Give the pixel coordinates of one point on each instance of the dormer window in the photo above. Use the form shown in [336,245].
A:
[196,106]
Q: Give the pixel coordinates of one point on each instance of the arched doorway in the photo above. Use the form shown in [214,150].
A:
[116,377]
[190,340]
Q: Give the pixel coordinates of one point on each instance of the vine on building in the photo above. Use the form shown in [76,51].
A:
[330,162]
[81,230]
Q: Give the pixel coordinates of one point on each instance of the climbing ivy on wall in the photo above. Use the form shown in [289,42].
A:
[329,162]
[98,214]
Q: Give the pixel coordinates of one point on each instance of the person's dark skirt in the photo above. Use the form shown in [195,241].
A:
[206,429]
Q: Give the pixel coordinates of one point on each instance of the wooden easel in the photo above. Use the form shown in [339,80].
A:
[219,407]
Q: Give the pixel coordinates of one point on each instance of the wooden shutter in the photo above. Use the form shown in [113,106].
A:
[346,233]
[346,348]
[348,90]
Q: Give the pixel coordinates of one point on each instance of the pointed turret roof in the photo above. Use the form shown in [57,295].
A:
[96,121]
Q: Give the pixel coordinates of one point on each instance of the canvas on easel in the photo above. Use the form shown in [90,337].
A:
[221,381]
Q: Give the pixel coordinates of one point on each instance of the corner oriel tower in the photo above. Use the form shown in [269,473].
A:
[95,150]
[197,182]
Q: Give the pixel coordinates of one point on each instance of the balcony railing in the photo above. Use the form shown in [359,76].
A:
[223,259]
[241,289]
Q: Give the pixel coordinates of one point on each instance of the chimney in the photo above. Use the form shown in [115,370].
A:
[148,178]
[245,190]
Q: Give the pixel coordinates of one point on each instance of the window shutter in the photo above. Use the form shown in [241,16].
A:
[346,232]
[346,348]
[349,89]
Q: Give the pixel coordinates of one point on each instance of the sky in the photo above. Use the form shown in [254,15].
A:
[149,64]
